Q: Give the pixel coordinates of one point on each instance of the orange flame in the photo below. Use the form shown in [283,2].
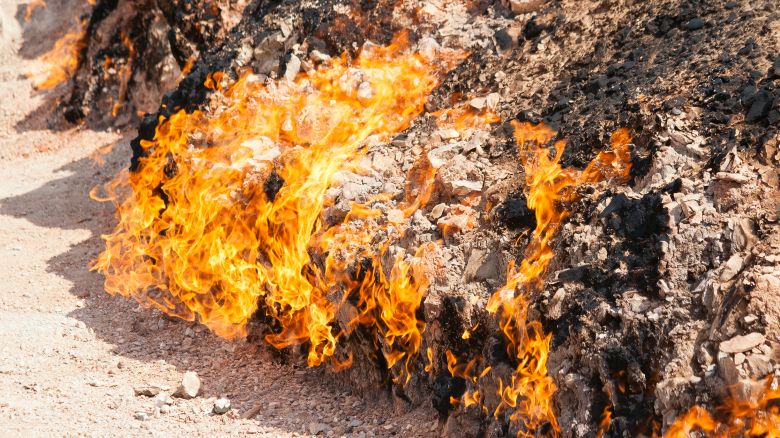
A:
[62,60]
[201,236]
[751,417]
[124,74]
[548,185]
[31,7]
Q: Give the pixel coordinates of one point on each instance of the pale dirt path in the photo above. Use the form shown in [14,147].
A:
[70,355]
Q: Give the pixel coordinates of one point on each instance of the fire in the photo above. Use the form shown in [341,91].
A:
[223,213]
[528,394]
[31,7]
[752,417]
[62,60]
[124,74]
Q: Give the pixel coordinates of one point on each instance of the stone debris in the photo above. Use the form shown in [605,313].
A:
[221,406]
[741,344]
[189,387]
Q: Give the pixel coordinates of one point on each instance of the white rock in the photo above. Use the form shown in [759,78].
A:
[462,187]
[190,386]
[221,406]
[477,103]
[492,101]
[293,67]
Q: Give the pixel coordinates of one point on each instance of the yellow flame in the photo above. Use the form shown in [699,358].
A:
[124,74]
[199,237]
[751,417]
[529,393]
[62,61]
[31,7]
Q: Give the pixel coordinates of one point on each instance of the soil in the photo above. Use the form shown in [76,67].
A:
[71,356]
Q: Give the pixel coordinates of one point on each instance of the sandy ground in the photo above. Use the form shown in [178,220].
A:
[71,356]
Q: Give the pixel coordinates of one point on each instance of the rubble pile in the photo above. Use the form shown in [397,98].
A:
[663,290]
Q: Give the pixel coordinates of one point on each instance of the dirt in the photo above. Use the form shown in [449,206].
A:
[71,356]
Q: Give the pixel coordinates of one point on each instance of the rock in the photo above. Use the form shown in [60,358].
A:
[318,428]
[727,370]
[555,308]
[741,344]
[492,101]
[293,67]
[759,365]
[733,177]
[739,358]
[437,211]
[316,55]
[365,92]
[439,156]
[163,399]
[190,386]
[221,406]
[146,391]
[482,265]
[525,6]
[141,416]
[695,24]
[762,103]
[743,236]
[477,103]
[448,133]
[732,267]
[463,187]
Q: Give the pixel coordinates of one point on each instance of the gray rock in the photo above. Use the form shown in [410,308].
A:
[221,406]
[759,365]
[318,428]
[555,308]
[727,370]
[190,386]
[146,391]
[741,344]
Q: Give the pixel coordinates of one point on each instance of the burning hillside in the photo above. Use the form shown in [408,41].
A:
[508,210]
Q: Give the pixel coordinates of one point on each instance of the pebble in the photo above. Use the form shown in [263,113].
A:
[141,416]
[695,24]
[221,406]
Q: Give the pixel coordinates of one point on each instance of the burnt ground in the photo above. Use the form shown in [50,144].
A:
[649,277]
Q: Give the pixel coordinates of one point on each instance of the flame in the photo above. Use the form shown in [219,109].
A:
[62,60]
[751,417]
[529,392]
[124,74]
[31,7]
[202,236]
[464,118]
[606,419]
